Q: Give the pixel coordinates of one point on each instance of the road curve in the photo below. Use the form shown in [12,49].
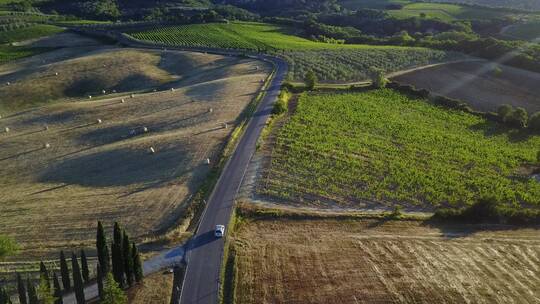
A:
[204,252]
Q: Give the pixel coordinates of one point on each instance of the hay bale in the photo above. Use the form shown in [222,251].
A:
[172,89]
[145,129]
[46,146]
[225,126]
[98,121]
[89,96]
[210,110]
[122,100]
[45,128]
[0,116]
[207,161]
[8,83]
[152,150]
[132,96]
[56,74]
[6,129]
[103,91]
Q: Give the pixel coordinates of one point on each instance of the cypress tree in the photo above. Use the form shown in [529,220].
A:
[57,290]
[44,293]
[127,257]
[100,281]
[137,264]
[84,267]
[77,280]
[44,274]
[64,271]
[102,249]
[117,255]
[3,296]
[112,293]
[23,299]
[32,294]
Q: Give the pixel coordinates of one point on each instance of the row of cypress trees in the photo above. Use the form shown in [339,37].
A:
[124,261]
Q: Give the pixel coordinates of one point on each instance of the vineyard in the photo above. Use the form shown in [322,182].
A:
[28,32]
[377,148]
[331,62]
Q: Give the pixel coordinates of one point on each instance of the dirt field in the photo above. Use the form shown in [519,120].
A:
[376,261]
[53,196]
[480,84]
[156,289]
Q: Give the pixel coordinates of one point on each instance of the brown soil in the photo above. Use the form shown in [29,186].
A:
[478,83]
[378,261]
[52,197]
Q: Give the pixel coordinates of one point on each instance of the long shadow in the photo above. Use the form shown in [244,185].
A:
[455,230]
[491,129]
[202,240]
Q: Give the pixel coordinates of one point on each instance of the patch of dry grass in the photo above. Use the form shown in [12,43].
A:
[332,260]
[52,197]
[156,289]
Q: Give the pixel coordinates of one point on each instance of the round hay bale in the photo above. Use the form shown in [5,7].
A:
[103,91]
[6,129]
[45,128]
[152,150]
[89,96]
[207,161]
[98,121]
[225,126]
[132,96]
[0,116]
[56,74]
[46,146]
[8,83]
[145,129]
[172,89]
[122,100]
[210,110]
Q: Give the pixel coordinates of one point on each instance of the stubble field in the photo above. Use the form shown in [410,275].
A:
[354,260]
[53,195]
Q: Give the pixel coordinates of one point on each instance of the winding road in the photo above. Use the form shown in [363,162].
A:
[204,252]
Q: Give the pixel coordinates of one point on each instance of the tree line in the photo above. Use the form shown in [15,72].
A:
[117,269]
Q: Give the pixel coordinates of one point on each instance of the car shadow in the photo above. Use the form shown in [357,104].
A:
[201,240]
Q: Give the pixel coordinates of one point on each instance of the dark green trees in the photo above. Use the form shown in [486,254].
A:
[21,288]
[44,273]
[57,290]
[32,293]
[137,264]
[100,281]
[4,297]
[64,271]
[102,249]
[84,267]
[310,80]
[117,256]
[127,257]
[77,280]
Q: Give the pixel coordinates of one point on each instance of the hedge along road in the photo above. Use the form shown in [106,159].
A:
[204,252]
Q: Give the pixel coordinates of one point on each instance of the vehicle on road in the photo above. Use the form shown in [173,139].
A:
[219,231]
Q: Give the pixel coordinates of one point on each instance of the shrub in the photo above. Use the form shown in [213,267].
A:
[518,118]
[504,110]
[281,104]
[377,78]
[534,122]
[310,80]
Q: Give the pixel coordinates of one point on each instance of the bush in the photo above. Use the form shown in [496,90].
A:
[281,105]
[518,118]
[504,110]
[534,122]
[377,78]
[490,210]
[310,79]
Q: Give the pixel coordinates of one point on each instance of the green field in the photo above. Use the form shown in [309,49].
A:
[383,147]
[9,53]
[331,62]
[375,4]
[525,31]
[26,33]
[447,12]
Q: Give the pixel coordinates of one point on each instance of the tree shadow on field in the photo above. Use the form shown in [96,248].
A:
[492,129]
[120,167]
[85,86]
[456,229]
[206,90]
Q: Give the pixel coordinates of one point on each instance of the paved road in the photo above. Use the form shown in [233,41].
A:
[204,252]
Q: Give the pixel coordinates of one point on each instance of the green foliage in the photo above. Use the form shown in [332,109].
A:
[310,79]
[44,274]
[489,210]
[78,284]
[4,296]
[385,146]
[137,263]
[44,292]
[526,31]
[504,111]
[32,32]
[21,289]
[112,293]
[281,105]
[64,271]
[84,267]
[378,79]
[102,249]
[518,118]
[8,246]
[534,122]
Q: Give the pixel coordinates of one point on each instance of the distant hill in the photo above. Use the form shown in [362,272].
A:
[530,5]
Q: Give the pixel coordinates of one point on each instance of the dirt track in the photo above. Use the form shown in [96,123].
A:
[377,261]
[479,84]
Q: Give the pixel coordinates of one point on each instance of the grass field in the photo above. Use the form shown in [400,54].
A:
[380,148]
[348,260]
[447,12]
[11,53]
[331,62]
[525,31]
[104,170]
[482,84]
[31,32]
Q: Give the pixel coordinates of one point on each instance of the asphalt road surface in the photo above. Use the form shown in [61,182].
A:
[204,252]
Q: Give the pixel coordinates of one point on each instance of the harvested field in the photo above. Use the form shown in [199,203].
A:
[480,84]
[156,289]
[52,196]
[358,260]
